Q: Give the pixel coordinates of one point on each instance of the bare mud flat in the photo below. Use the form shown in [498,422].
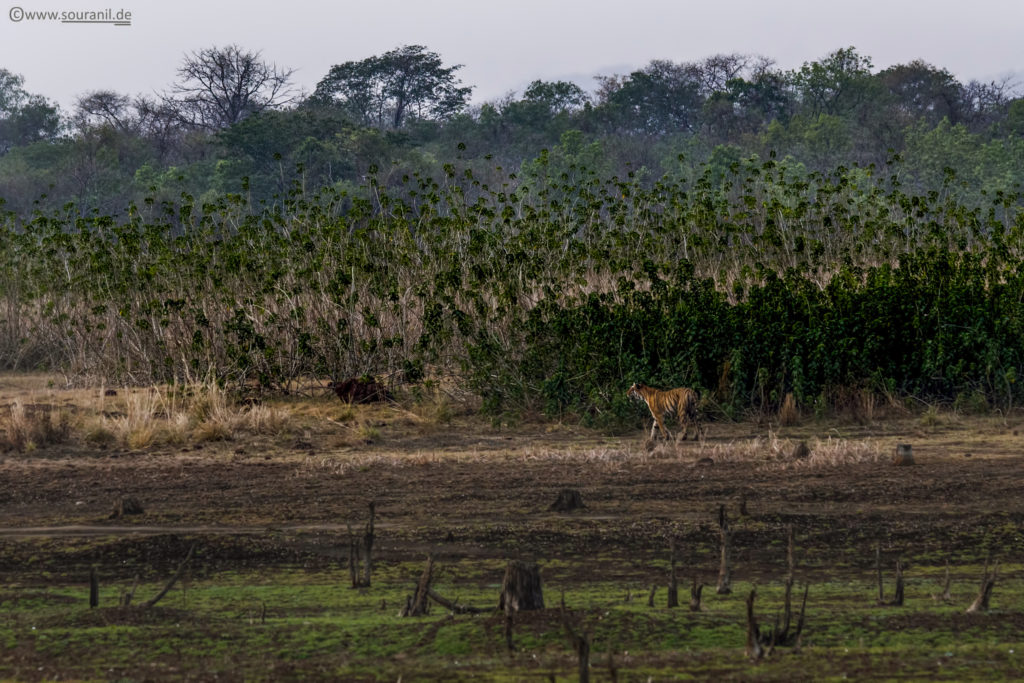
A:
[473,497]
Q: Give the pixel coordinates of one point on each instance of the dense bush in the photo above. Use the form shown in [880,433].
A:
[550,292]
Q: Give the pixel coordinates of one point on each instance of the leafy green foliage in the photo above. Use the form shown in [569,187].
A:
[745,279]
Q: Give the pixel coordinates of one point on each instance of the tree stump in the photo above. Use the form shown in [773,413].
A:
[126,506]
[567,501]
[521,587]
[904,455]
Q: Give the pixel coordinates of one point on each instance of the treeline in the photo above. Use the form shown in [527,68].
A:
[552,294]
[234,123]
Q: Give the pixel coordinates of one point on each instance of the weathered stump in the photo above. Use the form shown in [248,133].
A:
[126,506]
[904,455]
[567,501]
[521,588]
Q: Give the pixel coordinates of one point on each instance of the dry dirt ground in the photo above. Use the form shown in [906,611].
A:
[464,488]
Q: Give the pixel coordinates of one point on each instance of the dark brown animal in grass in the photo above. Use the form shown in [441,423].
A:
[356,390]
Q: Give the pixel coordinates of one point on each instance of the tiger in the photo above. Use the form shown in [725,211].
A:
[682,402]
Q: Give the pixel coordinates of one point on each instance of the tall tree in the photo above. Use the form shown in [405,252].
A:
[836,85]
[556,96]
[387,91]
[219,87]
[663,97]
[24,117]
[920,90]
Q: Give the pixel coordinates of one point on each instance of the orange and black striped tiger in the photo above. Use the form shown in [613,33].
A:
[682,402]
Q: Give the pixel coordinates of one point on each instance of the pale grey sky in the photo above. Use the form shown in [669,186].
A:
[503,46]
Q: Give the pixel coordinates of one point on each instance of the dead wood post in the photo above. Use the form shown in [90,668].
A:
[368,537]
[781,636]
[878,569]
[173,580]
[650,596]
[897,600]
[580,644]
[360,554]
[613,671]
[790,562]
[509,623]
[94,588]
[354,558]
[128,596]
[724,571]
[695,592]
[416,605]
[755,648]
[946,597]
[521,587]
[988,582]
[673,586]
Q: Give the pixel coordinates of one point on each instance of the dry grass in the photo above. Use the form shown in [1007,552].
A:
[28,428]
[789,414]
[774,453]
[268,420]
[435,408]
[176,415]
[136,427]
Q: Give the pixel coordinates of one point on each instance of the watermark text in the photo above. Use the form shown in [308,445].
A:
[114,17]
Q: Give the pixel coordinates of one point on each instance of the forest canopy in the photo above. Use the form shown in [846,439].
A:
[233,119]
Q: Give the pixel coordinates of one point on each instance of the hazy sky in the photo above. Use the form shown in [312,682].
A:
[502,45]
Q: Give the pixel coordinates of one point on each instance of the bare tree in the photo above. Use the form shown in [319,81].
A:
[104,108]
[219,87]
[716,71]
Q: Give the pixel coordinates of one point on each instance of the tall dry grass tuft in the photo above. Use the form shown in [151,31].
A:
[789,414]
[268,420]
[217,418]
[435,409]
[771,452]
[139,425]
[26,430]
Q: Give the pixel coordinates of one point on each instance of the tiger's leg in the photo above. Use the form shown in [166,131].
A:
[660,424]
[684,423]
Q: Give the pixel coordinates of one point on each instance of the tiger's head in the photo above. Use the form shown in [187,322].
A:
[634,392]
